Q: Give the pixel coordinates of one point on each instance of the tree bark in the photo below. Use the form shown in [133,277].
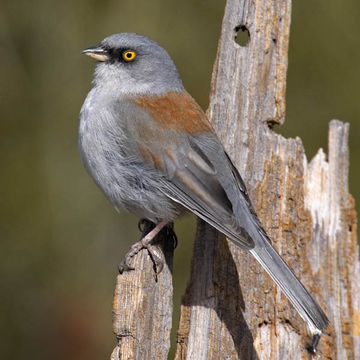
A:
[232,309]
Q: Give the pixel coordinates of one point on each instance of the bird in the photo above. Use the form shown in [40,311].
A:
[152,151]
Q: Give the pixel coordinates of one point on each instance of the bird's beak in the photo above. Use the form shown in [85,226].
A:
[97,53]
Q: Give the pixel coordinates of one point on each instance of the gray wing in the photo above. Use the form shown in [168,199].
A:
[204,180]
[198,175]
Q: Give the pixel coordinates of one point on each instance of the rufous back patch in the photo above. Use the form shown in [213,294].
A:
[178,111]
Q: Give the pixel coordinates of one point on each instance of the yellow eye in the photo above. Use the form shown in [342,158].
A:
[129,55]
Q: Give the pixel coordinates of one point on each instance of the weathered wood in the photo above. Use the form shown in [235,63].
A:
[142,308]
[232,309]
[334,253]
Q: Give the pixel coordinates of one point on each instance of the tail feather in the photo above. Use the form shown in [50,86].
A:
[280,272]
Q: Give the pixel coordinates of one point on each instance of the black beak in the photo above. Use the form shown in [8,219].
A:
[97,53]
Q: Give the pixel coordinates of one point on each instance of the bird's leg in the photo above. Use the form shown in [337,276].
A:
[145,243]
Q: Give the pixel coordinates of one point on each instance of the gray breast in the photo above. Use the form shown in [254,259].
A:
[109,154]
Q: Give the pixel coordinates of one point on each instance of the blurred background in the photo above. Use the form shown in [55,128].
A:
[61,240]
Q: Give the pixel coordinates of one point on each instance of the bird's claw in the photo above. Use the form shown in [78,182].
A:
[125,264]
[155,253]
[124,267]
[157,258]
[145,226]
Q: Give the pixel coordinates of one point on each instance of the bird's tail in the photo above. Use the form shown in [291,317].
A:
[280,272]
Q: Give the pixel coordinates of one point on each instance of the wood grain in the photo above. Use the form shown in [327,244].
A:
[142,308]
[232,309]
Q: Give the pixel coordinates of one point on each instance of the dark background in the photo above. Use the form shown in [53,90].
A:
[60,239]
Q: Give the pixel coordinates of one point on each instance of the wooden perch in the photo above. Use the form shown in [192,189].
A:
[232,309]
[142,308]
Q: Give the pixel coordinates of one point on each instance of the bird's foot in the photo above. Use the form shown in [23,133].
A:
[149,231]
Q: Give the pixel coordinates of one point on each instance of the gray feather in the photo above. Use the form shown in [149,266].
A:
[279,271]
[110,156]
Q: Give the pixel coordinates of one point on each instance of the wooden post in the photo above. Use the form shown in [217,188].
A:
[142,307]
[232,309]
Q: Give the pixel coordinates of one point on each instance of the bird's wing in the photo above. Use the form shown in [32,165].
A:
[192,180]
[197,173]
[181,145]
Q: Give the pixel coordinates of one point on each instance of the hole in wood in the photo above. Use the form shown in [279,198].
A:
[242,35]
[271,123]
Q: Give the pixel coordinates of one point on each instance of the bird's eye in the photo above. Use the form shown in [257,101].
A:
[129,55]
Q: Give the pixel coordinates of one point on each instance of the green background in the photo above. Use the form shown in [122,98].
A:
[60,239]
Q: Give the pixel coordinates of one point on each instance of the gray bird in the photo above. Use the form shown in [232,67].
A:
[150,148]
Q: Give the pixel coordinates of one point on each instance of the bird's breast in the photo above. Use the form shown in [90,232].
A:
[108,148]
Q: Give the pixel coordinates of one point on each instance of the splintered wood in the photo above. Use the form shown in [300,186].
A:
[231,308]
